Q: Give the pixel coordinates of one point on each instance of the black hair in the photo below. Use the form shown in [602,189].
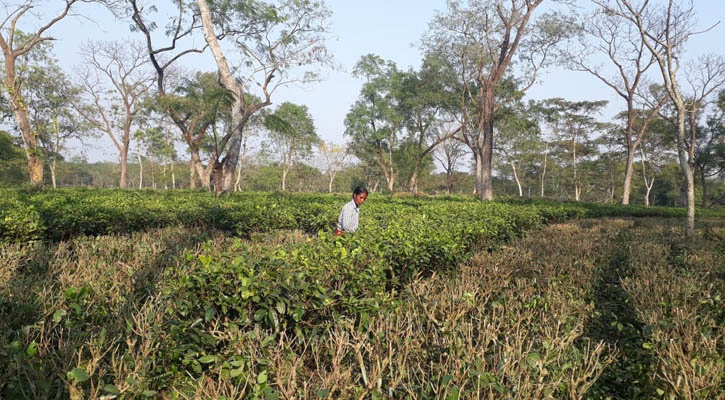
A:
[359,190]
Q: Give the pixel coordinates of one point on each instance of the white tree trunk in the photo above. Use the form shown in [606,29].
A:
[516,177]
[140,172]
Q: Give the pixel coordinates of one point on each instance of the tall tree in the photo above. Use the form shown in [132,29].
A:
[519,142]
[115,81]
[187,114]
[12,171]
[607,34]
[15,45]
[156,142]
[710,148]
[449,154]
[334,158]
[292,135]
[479,38]
[50,95]
[374,123]
[665,32]
[574,124]
[274,38]
[427,109]
[655,153]
[196,104]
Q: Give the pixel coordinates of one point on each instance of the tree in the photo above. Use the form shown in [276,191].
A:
[573,123]
[610,35]
[427,110]
[49,98]
[655,153]
[518,140]
[156,142]
[188,113]
[12,172]
[480,39]
[449,155]
[196,105]
[292,135]
[374,122]
[334,159]
[15,45]
[115,82]
[274,39]
[665,32]
[709,157]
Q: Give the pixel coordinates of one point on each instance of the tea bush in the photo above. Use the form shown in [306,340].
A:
[62,214]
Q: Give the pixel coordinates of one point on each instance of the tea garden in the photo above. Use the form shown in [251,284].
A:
[141,294]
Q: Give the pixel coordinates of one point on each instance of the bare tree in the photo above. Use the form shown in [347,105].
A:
[480,39]
[334,158]
[665,32]
[273,40]
[449,154]
[115,80]
[189,119]
[14,45]
[612,36]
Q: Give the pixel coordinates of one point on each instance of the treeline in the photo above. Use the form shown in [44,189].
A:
[467,101]
[259,175]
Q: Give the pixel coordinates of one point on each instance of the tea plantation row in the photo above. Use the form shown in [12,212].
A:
[61,214]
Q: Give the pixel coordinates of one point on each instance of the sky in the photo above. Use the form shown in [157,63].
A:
[391,29]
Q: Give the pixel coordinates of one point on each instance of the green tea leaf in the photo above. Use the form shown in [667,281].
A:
[78,375]
[32,349]
[262,377]
[58,315]
[109,388]
[207,359]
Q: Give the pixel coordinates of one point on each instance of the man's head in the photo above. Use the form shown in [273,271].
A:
[359,195]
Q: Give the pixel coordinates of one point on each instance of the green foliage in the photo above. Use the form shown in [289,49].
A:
[12,162]
[19,222]
[66,213]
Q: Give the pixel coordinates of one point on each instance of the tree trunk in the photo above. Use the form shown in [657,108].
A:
[543,171]
[449,176]
[173,177]
[237,186]
[646,196]
[687,173]
[140,172]
[516,177]
[391,181]
[192,174]
[285,169]
[52,173]
[123,182]
[487,149]
[329,186]
[413,184]
[30,139]
[231,160]
[478,188]
[218,171]
[704,189]
[628,172]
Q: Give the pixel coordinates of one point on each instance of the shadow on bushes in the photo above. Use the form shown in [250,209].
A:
[65,303]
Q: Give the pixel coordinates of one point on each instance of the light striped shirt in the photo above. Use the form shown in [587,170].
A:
[348,219]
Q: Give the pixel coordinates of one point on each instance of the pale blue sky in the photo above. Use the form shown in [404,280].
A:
[388,28]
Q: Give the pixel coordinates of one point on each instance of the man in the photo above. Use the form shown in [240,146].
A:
[347,222]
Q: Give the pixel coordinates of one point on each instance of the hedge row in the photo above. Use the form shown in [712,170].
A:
[61,214]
